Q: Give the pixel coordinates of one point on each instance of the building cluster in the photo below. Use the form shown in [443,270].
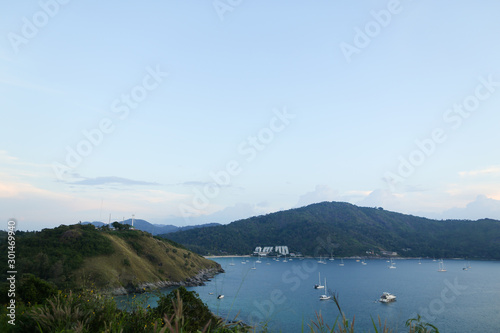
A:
[282,249]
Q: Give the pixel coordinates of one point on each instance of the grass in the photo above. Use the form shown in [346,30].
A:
[139,260]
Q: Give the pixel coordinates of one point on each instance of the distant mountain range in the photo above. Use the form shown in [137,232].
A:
[155,229]
[342,229]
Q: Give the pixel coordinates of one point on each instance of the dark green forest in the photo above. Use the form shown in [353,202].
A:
[343,229]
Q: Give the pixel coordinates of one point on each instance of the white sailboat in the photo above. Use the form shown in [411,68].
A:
[331,257]
[319,286]
[232,262]
[325,297]
[419,261]
[393,265]
[363,262]
[321,261]
[441,266]
[341,262]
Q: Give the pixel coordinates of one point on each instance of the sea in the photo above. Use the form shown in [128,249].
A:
[280,296]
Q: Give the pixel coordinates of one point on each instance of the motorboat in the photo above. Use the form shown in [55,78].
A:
[387,297]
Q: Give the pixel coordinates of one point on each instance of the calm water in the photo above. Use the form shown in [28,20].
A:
[282,293]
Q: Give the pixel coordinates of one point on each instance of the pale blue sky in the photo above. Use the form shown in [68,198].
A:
[331,123]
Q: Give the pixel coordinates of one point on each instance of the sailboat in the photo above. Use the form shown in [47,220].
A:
[392,264]
[321,261]
[363,262]
[258,261]
[441,266]
[341,262]
[254,266]
[419,261]
[232,262]
[284,260]
[331,257]
[319,286]
[324,297]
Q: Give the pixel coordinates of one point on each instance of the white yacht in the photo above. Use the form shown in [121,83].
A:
[319,286]
[441,266]
[325,297]
[387,297]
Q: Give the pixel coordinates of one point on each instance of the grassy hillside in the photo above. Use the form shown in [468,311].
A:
[344,230]
[137,258]
[77,256]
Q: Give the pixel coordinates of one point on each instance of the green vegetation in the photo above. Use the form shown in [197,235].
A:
[90,311]
[346,230]
[77,256]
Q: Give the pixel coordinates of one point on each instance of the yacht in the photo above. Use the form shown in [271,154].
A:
[220,297]
[387,297]
[325,297]
[441,266]
[341,262]
[319,286]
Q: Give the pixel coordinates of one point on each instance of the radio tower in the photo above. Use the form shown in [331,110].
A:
[133,216]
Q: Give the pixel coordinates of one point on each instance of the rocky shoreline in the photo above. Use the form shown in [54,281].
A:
[198,280]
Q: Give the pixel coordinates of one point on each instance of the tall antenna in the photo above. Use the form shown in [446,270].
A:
[133,216]
[100,212]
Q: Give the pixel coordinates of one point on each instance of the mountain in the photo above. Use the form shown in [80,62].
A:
[77,256]
[343,229]
[155,229]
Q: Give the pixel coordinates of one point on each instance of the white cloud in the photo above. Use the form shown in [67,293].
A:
[481,207]
[493,170]
[321,193]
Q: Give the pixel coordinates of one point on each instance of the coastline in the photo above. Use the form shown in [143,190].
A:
[198,280]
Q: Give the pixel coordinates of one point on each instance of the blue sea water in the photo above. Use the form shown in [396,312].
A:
[282,295]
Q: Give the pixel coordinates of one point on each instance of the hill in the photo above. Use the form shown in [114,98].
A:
[79,256]
[343,229]
[155,229]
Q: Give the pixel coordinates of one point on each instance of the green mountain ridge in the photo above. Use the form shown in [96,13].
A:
[343,229]
[82,256]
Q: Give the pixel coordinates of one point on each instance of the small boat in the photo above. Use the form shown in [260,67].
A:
[210,293]
[325,297]
[321,261]
[341,262]
[387,297]
[363,262]
[441,266]
[254,266]
[393,265]
[220,296]
[331,257]
[319,286]
[232,262]
[419,261]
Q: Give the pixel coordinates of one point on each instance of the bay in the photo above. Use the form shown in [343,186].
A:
[281,295]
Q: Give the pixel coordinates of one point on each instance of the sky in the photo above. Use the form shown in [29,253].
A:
[189,112]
